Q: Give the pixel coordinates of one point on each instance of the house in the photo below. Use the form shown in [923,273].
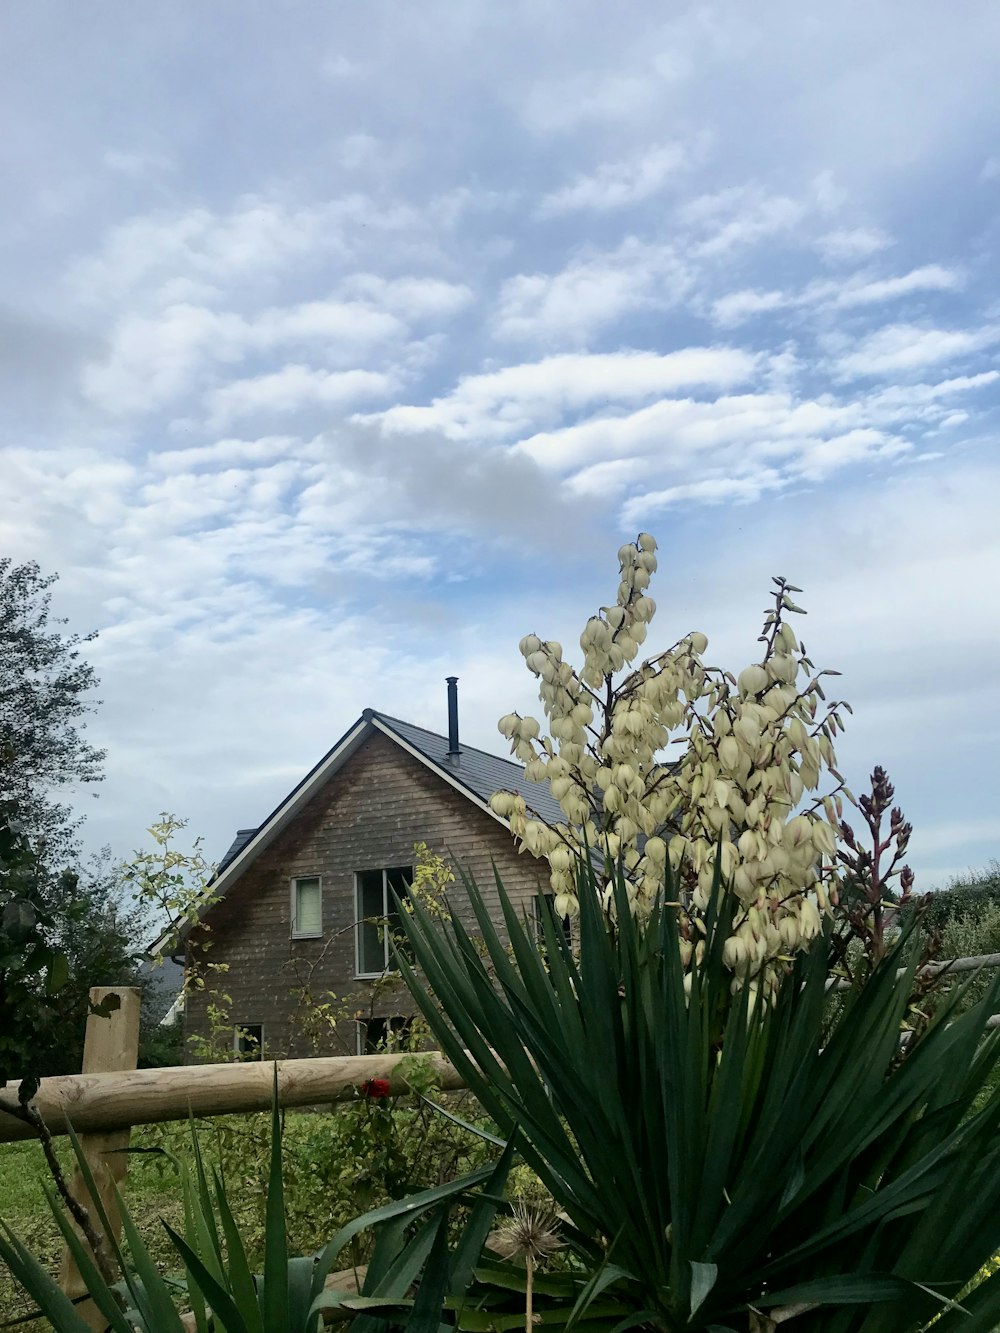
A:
[298,898]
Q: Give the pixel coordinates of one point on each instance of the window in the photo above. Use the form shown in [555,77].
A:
[376,916]
[384,1034]
[307,908]
[546,902]
[248,1041]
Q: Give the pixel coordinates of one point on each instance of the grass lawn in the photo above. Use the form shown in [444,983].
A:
[336,1165]
[151,1194]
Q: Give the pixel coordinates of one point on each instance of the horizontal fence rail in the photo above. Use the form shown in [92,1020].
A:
[102,1102]
[949,965]
[110,1101]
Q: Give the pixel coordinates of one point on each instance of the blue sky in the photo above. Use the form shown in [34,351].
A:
[341,345]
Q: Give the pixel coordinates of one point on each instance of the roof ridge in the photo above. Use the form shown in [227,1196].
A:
[438,735]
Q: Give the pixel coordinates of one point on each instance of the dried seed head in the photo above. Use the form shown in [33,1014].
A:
[529,1233]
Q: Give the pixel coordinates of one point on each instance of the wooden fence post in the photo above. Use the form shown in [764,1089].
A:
[111,1044]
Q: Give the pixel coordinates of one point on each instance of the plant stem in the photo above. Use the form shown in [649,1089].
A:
[529,1317]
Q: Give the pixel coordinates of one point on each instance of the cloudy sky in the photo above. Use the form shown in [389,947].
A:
[342,344]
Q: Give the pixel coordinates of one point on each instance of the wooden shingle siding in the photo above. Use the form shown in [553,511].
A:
[368,816]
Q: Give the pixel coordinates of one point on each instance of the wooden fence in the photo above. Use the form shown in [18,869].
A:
[111,1095]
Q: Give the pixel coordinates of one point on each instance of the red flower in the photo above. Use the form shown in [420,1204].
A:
[375,1088]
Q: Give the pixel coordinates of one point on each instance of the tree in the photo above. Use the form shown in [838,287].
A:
[103,935]
[744,785]
[44,683]
[59,936]
[65,923]
[32,968]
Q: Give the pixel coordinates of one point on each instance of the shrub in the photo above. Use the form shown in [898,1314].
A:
[715,1155]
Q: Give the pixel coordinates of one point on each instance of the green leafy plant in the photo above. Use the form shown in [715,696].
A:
[45,686]
[216,1281]
[32,968]
[718,1156]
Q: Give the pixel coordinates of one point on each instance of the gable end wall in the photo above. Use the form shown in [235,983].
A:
[368,816]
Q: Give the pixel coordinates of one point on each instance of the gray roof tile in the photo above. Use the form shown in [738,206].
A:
[481,772]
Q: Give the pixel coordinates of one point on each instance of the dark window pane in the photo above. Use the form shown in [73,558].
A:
[386,1034]
[378,921]
[399,878]
[250,1041]
[398,881]
[371,899]
[371,912]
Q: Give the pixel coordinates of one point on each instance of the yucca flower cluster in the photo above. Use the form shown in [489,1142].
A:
[675,759]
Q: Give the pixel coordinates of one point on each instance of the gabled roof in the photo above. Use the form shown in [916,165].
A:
[475,773]
[481,772]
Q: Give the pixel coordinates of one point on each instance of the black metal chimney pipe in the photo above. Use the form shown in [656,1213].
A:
[453,746]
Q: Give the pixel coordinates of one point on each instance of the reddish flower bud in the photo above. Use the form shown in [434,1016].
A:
[375,1088]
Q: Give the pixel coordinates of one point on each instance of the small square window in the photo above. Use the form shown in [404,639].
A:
[307,907]
[248,1041]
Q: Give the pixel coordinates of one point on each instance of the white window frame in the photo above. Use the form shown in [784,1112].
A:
[359,919]
[293,884]
[242,1027]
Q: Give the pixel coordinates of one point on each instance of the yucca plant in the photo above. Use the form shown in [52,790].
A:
[723,1160]
[217,1284]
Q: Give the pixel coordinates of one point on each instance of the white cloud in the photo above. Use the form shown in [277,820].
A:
[921,401]
[850,244]
[294,387]
[617,184]
[225,452]
[712,491]
[342,322]
[153,359]
[412,298]
[256,235]
[901,348]
[736,217]
[818,459]
[846,294]
[929,278]
[737,447]
[500,404]
[571,306]
[254,243]
[736,307]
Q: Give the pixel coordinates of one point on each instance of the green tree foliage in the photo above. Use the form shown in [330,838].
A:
[102,935]
[44,684]
[967,896]
[59,936]
[79,913]
[32,967]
